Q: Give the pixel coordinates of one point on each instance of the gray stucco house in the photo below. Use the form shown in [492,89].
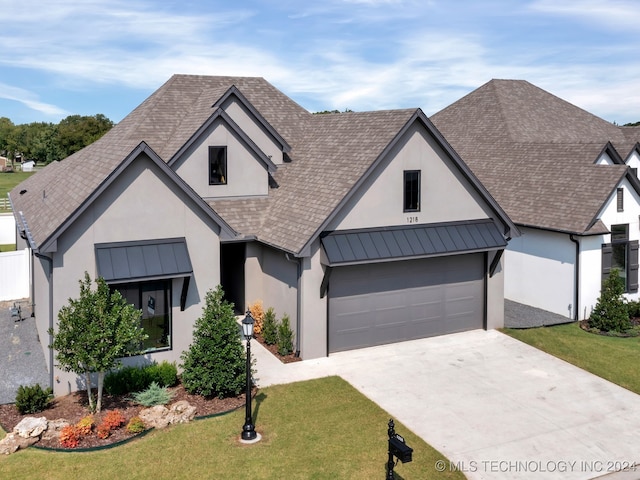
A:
[566,177]
[365,228]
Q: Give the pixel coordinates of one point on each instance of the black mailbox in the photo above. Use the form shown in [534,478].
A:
[399,449]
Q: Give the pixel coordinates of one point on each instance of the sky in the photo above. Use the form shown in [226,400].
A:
[65,57]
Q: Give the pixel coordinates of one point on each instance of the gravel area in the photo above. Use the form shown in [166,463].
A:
[518,315]
[21,357]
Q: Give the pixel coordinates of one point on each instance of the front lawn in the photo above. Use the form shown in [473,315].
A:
[612,358]
[10,180]
[310,430]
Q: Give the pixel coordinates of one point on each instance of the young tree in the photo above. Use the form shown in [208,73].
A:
[611,312]
[214,364]
[94,332]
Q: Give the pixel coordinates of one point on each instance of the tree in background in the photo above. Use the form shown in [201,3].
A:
[214,364]
[47,142]
[94,332]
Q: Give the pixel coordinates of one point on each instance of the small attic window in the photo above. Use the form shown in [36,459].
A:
[217,165]
[620,199]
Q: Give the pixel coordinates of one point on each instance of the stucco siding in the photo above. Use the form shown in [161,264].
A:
[313,334]
[445,193]
[141,205]
[539,271]
[246,174]
[272,278]
[253,129]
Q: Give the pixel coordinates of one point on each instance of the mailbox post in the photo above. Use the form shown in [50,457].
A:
[397,448]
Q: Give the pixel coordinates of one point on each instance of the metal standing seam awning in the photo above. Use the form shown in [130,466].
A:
[143,260]
[351,247]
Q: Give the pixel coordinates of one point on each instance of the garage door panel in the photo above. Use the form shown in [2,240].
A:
[390,302]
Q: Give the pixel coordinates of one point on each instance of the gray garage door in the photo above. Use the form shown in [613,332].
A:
[380,303]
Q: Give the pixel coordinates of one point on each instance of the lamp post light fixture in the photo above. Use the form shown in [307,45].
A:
[249,434]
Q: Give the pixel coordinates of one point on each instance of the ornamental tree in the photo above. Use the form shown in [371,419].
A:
[94,332]
[611,313]
[214,364]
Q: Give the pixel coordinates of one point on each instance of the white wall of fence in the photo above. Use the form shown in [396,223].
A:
[7,229]
[14,275]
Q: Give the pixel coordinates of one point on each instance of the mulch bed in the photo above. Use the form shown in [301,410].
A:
[274,351]
[74,407]
[633,332]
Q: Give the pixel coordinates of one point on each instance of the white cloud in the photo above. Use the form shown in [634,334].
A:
[616,14]
[30,100]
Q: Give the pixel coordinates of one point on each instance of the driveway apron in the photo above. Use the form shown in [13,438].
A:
[496,407]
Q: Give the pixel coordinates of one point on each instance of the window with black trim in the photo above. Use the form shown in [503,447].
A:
[412,190]
[620,199]
[217,165]
[153,298]
[621,254]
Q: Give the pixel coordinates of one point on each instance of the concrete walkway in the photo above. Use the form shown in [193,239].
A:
[496,407]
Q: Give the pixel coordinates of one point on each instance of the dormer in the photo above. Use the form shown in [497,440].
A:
[609,156]
[221,160]
[249,119]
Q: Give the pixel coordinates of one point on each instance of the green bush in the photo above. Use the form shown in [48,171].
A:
[634,308]
[135,379]
[270,327]
[135,425]
[611,313]
[154,395]
[32,399]
[285,336]
[214,364]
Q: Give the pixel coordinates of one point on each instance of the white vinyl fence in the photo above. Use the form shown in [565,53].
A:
[14,275]
[7,228]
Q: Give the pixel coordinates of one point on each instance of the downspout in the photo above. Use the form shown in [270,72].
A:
[576,292]
[50,261]
[298,262]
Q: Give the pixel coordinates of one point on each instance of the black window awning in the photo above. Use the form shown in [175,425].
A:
[348,247]
[143,260]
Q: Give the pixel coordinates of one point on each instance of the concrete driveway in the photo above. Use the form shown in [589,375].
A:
[497,408]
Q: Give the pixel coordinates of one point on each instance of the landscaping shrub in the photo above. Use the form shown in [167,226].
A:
[285,336]
[214,364]
[32,399]
[611,313]
[103,431]
[634,308]
[164,373]
[85,425]
[113,419]
[135,425]
[135,379]
[270,327]
[257,312]
[69,437]
[154,395]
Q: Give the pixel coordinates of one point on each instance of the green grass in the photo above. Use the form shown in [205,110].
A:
[8,247]
[612,358]
[10,180]
[310,430]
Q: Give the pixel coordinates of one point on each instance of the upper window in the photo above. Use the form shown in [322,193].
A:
[217,165]
[620,199]
[412,190]
[153,298]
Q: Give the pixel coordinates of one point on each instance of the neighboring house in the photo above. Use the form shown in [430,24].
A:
[4,163]
[567,178]
[365,228]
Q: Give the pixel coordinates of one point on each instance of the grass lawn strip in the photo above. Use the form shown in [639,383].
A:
[612,358]
[10,180]
[315,429]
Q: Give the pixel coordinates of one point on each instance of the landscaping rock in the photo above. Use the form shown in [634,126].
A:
[13,442]
[160,416]
[181,412]
[31,427]
[53,428]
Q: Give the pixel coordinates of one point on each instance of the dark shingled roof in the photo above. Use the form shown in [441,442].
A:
[535,153]
[329,154]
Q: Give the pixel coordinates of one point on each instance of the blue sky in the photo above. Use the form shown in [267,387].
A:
[63,57]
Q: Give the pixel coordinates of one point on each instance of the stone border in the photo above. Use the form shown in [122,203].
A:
[126,440]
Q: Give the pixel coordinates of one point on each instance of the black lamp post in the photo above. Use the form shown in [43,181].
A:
[248,430]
